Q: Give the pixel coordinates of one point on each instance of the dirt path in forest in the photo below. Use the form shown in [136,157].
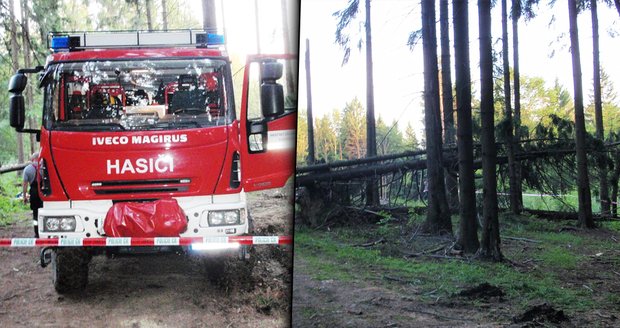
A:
[153,291]
[339,282]
[334,303]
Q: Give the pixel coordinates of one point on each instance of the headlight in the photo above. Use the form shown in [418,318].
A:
[52,224]
[64,224]
[216,218]
[67,224]
[219,218]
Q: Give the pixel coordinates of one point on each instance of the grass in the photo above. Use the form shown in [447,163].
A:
[567,202]
[9,187]
[331,255]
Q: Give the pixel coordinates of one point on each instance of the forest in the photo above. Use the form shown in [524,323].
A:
[507,200]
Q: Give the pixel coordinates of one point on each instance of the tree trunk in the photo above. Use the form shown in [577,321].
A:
[27,63]
[372,191]
[438,214]
[15,66]
[149,17]
[290,78]
[449,136]
[490,245]
[164,14]
[615,176]
[583,183]
[510,142]
[516,14]
[208,16]
[311,158]
[598,112]
[468,236]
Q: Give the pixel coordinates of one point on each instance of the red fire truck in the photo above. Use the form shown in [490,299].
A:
[136,118]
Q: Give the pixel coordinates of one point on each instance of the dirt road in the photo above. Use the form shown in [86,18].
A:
[156,291]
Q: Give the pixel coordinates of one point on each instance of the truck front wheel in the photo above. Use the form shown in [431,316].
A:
[70,269]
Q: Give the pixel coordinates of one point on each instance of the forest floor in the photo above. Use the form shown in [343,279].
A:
[151,291]
[389,274]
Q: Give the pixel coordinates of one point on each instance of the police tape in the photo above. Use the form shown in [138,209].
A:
[144,241]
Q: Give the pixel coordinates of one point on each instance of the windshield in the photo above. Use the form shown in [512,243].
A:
[138,95]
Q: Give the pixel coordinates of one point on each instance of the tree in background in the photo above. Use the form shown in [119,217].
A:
[516,198]
[352,131]
[389,138]
[344,19]
[583,184]
[410,140]
[598,112]
[490,241]
[438,213]
[468,236]
[447,103]
[327,143]
[302,138]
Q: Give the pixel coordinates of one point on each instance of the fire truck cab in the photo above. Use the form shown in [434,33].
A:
[137,117]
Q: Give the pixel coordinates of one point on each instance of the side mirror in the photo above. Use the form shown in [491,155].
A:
[17,84]
[17,113]
[271,93]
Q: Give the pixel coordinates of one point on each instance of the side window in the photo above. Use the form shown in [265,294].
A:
[254,109]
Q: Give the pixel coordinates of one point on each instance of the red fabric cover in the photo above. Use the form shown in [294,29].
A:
[161,218]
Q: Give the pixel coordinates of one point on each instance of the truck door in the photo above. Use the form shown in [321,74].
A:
[268,121]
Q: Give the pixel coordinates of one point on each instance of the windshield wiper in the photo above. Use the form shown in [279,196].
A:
[95,126]
[177,124]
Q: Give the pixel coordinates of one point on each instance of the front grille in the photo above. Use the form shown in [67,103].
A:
[140,186]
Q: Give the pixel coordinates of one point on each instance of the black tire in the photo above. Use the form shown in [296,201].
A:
[70,269]
[215,269]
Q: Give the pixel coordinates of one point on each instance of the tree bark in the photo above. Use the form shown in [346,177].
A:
[164,14]
[468,236]
[372,191]
[490,245]
[615,176]
[583,183]
[208,16]
[15,66]
[447,101]
[311,158]
[149,17]
[438,214]
[598,111]
[288,49]
[28,63]
[516,14]
[510,142]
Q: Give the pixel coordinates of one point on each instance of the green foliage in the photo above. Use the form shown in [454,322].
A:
[389,138]
[410,140]
[326,251]
[302,138]
[9,205]
[353,130]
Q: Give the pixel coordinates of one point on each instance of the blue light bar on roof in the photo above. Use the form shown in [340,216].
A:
[60,43]
[131,39]
[215,39]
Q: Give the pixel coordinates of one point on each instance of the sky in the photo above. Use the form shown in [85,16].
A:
[237,20]
[398,71]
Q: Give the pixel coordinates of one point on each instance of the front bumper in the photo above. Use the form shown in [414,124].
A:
[90,216]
